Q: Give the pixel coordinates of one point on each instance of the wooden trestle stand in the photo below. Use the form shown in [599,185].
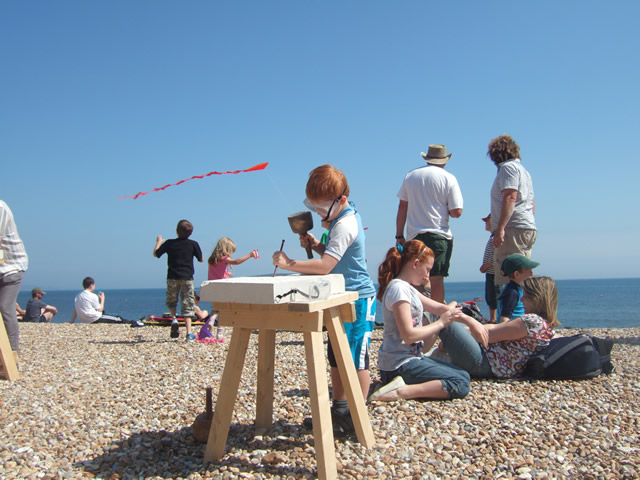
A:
[308,319]
[7,355]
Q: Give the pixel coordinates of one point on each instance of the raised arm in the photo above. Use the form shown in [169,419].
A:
[238,261]
[157,246]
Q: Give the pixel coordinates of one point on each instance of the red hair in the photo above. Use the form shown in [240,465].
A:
[326,182]
[396,259]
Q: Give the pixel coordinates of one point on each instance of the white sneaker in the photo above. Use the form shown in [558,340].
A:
[394,384]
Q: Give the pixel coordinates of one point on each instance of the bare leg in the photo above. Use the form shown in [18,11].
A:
[437,288]
[364,378]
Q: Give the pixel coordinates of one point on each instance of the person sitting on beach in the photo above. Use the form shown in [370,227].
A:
[180,253]
[327,194]
[38,311]
[511,343]
[89,307]
[220,263]
[404,369]
[518,268]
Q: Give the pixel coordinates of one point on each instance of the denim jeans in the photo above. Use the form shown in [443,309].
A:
[465,351]
[454,380]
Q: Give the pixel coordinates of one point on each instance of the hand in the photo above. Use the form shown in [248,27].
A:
[479,332]
[159,239]
[308,240]
[101,295]
[498,238]
[254,254]
[280,259]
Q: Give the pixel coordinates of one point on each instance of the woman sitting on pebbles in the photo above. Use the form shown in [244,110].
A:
[404,369]
[511,343]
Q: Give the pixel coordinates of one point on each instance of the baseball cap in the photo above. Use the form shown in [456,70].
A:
[515,262]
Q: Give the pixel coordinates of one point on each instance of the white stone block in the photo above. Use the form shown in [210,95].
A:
[270,290]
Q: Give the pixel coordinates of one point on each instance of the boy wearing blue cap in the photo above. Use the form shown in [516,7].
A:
[518,268]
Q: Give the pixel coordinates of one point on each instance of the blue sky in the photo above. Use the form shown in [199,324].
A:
[105,99]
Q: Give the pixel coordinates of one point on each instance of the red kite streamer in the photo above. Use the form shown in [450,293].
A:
[261,166]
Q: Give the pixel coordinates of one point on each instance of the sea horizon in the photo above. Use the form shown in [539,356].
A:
[583,303]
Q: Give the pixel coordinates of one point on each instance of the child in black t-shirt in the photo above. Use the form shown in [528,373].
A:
[180,253]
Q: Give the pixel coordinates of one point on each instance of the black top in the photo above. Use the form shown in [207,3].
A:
[180,253]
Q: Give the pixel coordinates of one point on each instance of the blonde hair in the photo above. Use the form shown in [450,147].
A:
[542,292]
[224,247]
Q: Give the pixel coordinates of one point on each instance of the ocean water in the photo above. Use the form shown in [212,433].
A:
[610,303]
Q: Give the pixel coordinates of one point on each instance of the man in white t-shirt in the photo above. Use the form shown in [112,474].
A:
[89,307]
[428,197]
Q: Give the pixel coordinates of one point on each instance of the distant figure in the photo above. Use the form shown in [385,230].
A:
[428,197]
[89,307]
[487,268]
[512,204]
[405,370]
[38,311]
[517,268]
[13,263]
[220,263]
[511,343]
[327,193]
[180,254]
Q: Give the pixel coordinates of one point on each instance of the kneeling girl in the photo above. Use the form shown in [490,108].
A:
[405,370]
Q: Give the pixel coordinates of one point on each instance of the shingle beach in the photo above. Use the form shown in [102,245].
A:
[104,401]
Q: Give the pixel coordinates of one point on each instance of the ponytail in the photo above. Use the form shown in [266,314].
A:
[396,258]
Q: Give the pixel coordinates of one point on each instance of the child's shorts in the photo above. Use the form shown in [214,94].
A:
[358,334]
[187,296]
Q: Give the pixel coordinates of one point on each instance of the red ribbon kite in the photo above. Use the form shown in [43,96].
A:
[261,166]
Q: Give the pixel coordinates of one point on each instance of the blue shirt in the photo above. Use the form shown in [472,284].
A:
[345,242]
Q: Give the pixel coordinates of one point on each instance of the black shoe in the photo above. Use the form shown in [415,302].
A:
[175,327]
[342,423]
[137,324]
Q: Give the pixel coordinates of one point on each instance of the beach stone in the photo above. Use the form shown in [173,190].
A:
[107,401]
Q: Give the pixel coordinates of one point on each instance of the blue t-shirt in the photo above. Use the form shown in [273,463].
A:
[510,303]
[345,242]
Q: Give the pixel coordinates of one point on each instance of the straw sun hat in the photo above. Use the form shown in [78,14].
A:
[437,155]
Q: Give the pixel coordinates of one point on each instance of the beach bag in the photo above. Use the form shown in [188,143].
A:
[576,357]
[471,309]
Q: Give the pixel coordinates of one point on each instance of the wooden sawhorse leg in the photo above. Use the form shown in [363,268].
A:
[266,366]
[320,406]
[227,394]
[7,355]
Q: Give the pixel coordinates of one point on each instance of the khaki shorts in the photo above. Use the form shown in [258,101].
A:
[184,288]
[516,240]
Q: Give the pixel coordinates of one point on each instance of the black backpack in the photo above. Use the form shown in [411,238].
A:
[575,357]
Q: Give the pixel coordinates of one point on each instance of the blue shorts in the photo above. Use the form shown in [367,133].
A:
[358,334]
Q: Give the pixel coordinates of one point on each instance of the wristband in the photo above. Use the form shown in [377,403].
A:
[398,237]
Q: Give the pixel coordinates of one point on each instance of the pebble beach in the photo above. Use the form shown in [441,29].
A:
[109,401]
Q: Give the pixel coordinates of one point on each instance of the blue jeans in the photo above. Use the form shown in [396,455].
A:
[454,380]
[465,351]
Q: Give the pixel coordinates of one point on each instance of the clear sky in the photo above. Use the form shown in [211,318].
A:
[104,99]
